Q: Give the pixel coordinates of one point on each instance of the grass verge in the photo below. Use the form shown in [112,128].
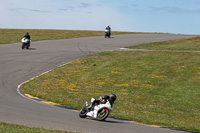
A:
[12,128]
[192,44]
[15,35]
[152,87]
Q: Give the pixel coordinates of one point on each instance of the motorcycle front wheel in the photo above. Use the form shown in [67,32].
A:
[23,46]
[102,114]
[83,112]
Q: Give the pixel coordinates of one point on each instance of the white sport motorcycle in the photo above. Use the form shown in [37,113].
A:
[26,43]
[99,112]
[107,33]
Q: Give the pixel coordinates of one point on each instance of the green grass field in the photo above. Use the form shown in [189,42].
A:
[152,87]
[11,128]
[15,35]
[192,44]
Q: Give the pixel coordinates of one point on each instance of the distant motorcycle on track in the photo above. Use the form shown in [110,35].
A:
[25,43]
[107,33]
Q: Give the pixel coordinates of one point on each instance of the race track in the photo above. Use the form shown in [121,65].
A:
[17,66]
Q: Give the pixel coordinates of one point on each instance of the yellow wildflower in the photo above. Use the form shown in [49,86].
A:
[147,112]
[123,90]
[73,71]
[120,85]
[139,98]
[146,85]
[78,62]
[115,72]
[101,83]
[160,76]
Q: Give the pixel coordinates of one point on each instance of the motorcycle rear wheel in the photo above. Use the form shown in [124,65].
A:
[28,45]
[102,115]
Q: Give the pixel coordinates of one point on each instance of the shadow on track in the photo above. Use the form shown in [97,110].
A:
[106,121]
[32,49]
[110,37]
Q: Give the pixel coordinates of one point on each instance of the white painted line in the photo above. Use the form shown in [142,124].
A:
[19,86]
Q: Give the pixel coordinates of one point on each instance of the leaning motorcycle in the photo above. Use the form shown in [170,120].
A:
[107,33]
[99,112]
[25,43]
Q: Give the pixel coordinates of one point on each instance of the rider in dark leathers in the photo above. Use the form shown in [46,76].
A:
[27,36]
[103,100]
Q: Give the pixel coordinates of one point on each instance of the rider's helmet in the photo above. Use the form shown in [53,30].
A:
[113,97]
[103,101]
[108,27]
[27,33]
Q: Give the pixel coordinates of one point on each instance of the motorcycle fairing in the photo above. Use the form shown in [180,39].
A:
[94,113]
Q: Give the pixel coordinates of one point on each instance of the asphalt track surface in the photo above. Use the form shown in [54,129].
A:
[17,66]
